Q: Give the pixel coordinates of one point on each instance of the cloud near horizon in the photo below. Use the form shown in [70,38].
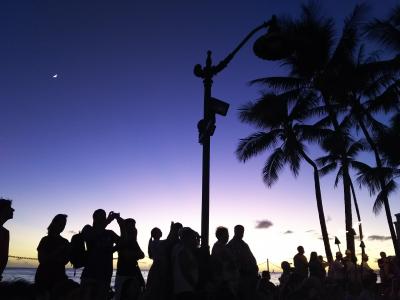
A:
[264,224]
[378,238]
[288,232]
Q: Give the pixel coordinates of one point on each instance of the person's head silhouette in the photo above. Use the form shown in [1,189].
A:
[222,234]
[156,233]
[285,266]
[6,211]
[99,219]
[174,231]
[313,256]
[266,275]
[239,232]
[348,253]
[130,228]
[189,237]
[300,249]
[57,225]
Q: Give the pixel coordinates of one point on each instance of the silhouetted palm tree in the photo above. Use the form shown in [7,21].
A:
[317,65]
[333,161]
[375,88]
[342,79]
[279,117]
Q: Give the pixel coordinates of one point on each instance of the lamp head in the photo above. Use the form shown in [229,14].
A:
[274,45]
[219,107]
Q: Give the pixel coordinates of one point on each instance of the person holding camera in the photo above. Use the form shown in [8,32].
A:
[129,280]
[101,243]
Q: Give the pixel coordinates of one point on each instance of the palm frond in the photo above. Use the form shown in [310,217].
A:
[373,124]
[347,123]
[384,32]
[383,195]
[327,159]
[301,109]
[256,143]
[273,166]
[371,177]
[387,101]
[388,142]
[349,38]
[281,83]
[339,177]
[357,147]
[268,112]
[327,169]
[291,149]
[324,122]
[311,133]
[312,37]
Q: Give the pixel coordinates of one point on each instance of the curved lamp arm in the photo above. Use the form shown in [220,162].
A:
[210,71]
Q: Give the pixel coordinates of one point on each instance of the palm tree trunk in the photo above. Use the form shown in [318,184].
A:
[318,198]
[348,211]
[346,177]
[382,184]
[353,192]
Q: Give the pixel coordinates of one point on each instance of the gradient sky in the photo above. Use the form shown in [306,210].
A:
[117,128]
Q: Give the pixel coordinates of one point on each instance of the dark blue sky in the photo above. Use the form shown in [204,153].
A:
[117,128]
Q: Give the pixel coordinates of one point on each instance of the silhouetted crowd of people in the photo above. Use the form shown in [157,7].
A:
[345,279]
[181,269]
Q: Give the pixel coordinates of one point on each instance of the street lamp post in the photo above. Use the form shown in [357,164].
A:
[270,47]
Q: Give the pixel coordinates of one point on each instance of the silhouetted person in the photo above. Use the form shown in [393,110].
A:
[300,263]
[246,263]
[129,253]
[368,276]
[315,266]
[53,255]
[336,269]
[185,268]
[159,284]
[286,272]
[351,279]
[225,275]
[323,262]
[100,244]
[154,243]
[384,268]
[265,288]
[284,280]
[6,213]
[349,266]
[364,263]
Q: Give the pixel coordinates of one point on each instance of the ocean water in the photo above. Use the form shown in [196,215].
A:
[29,275]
